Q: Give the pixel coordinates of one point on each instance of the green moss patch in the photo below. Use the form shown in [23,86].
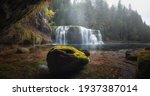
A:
[144,64]
[73,51]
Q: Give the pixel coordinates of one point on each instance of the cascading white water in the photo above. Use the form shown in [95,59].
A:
[61,33]
[100,41]
[87,35]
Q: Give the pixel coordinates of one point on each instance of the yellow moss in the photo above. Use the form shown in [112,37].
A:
[49,13]
[76,53]
[143,55]
[28,34]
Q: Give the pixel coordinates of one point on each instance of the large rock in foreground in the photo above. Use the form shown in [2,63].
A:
[66,60]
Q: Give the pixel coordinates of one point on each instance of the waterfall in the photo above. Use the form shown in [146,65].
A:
[61,33]
[100,41]
[86,36]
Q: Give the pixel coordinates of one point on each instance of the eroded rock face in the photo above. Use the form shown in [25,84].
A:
[65,60]
[12,11]
[23,22]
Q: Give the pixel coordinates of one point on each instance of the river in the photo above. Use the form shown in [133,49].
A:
[109,46]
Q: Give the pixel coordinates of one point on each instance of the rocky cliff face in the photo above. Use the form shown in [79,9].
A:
[11,11]
[23,22]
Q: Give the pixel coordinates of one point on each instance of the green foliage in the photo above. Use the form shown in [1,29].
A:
[27,36]
[49,13]
[145,55]
[24,34]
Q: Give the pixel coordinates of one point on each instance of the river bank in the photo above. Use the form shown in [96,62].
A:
[103,65]
[109,65]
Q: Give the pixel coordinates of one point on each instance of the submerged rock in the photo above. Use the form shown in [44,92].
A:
[66,60]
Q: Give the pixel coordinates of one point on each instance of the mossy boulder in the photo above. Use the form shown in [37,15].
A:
[86,52]
[144,64]
[66,60]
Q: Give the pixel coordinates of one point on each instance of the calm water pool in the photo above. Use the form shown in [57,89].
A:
[112,46]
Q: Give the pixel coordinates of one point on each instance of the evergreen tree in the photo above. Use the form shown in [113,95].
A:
[116,23]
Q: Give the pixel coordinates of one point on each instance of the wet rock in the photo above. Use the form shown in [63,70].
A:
[86,52]
[74,35]
[23,50]
[65,60]
[147,48]
[131,55]
[13,11]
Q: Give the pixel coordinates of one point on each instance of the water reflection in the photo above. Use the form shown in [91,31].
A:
[109,47]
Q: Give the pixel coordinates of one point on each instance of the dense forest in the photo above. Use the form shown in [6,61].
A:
[117,23]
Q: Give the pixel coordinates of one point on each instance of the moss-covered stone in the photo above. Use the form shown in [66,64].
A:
[66,60]
[144,64]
